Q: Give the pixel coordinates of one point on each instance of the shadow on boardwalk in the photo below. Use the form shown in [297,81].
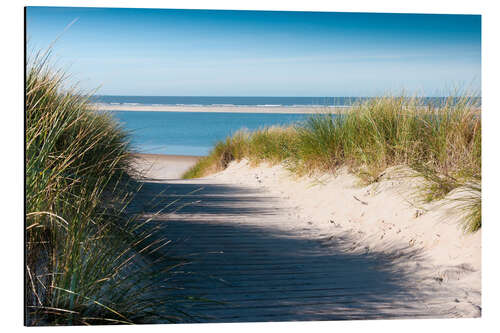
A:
[242,264]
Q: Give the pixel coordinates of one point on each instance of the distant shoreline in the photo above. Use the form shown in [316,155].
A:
[222,109]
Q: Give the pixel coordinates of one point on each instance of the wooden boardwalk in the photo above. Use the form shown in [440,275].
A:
[246,265]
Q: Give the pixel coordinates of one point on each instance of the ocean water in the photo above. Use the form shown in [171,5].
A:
[191,133]
[195,133]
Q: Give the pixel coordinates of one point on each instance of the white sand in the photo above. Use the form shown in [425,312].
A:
[163,167]
[219,109]
[383,217]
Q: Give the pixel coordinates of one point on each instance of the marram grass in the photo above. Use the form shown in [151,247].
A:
[87,261]
[441,142]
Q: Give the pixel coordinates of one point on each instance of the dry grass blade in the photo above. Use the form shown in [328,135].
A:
[87,262]
[442,142]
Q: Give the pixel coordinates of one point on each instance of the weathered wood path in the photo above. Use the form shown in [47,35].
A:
[247,262]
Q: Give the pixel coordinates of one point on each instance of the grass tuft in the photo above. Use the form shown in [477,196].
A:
[441,142]
[87,261]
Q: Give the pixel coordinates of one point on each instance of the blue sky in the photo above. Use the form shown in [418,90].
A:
[258,53]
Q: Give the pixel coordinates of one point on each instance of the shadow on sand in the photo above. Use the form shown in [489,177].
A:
[241,265]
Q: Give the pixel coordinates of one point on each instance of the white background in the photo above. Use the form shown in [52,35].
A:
[11,120]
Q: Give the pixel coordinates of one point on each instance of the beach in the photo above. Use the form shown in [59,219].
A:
[335,211]
[221,109]
[250,166]
[385,216]
[233,108]
[163,166]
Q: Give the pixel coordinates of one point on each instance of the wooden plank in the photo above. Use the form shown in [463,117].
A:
[319,311]
[300,298]
[241,254]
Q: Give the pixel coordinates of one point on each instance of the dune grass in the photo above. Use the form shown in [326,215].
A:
[87,261]
[441,142]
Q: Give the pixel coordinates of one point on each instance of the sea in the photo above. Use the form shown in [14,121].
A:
[195,133]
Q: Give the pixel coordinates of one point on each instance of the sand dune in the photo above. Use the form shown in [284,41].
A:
[384,217]
[436,267]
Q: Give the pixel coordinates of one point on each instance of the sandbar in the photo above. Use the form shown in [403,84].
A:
[222,109]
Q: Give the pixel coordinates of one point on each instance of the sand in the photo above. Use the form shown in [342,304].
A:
[163,167]
[220,109]
[385,217]
[229,108]
[383,220]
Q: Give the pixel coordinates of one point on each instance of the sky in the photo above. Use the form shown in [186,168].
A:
[162,52]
